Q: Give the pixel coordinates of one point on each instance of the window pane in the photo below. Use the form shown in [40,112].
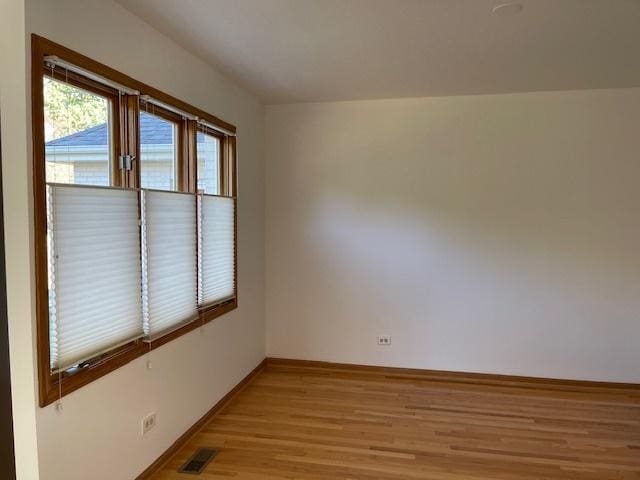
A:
[208,149]
[77,135]
[158,152]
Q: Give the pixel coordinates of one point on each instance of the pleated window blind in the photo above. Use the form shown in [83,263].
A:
[111,282]
[217,249]
[94,271]
[169,261]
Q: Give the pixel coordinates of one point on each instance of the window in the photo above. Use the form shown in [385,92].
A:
[159,134]
[135,215]
[78,134]
[209,161]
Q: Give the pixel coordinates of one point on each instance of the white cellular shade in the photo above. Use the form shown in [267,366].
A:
[169,261]
[217,249]
[94,272]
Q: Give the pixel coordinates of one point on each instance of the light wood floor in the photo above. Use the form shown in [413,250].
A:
[299,422]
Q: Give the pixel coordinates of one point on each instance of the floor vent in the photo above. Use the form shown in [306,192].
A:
[198,462]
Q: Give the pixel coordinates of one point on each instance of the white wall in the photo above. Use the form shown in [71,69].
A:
[97,434]
[484,233]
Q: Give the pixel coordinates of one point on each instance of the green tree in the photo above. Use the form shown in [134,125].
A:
[68,109]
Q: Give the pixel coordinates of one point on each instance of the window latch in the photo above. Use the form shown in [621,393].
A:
[126,162]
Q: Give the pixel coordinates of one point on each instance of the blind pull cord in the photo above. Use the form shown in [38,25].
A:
[59,402]
[149,362]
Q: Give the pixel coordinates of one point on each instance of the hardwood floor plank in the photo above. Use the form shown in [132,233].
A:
[313,421]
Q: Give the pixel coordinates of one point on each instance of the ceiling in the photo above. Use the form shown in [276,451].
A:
[288,51]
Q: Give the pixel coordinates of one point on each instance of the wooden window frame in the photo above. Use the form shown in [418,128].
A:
[125,135]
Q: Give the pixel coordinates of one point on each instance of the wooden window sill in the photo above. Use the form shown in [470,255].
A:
[51,390]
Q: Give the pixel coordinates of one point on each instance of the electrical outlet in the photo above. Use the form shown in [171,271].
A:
[384,339]
[149,422]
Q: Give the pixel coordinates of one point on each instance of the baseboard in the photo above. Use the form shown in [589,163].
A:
[163,459]
[452,376]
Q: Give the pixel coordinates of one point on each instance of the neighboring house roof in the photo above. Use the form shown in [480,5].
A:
[91,136]
[153,130]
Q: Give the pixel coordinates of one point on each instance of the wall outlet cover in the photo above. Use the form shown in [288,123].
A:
[149,422]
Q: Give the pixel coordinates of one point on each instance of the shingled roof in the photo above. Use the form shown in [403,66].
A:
[153,131]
